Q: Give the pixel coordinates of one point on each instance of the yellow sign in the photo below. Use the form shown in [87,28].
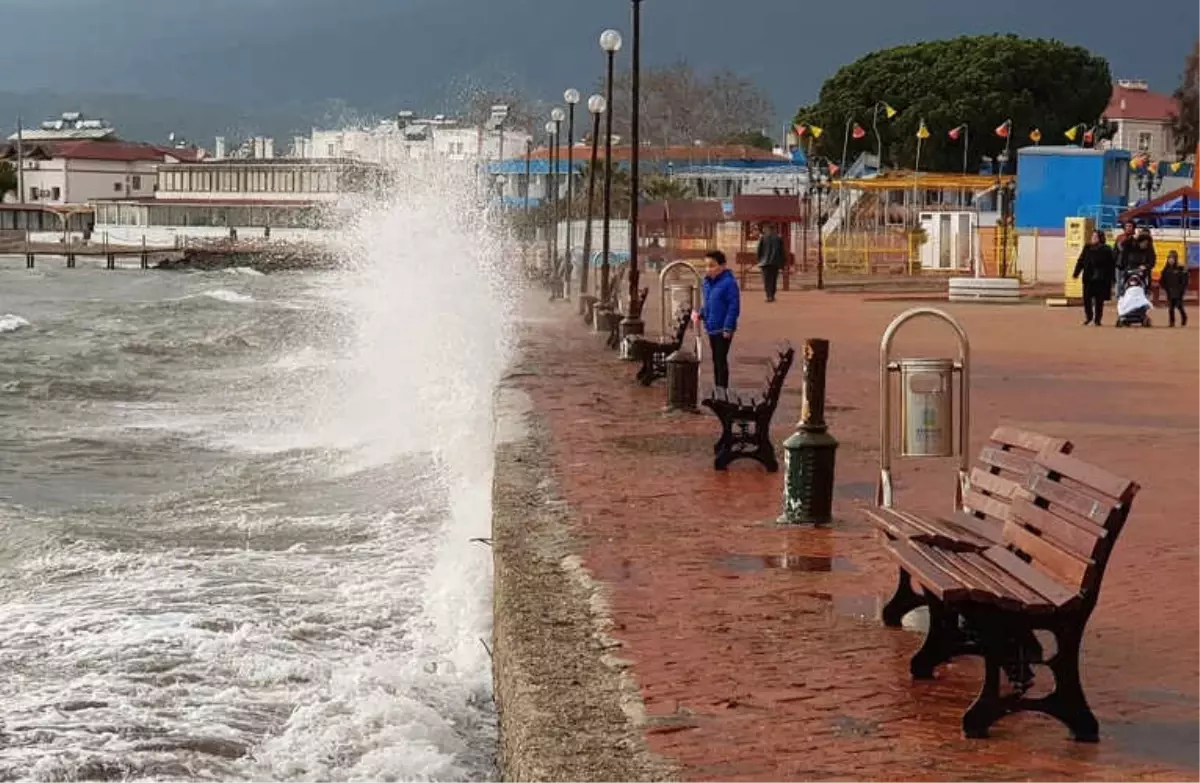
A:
[1078,229]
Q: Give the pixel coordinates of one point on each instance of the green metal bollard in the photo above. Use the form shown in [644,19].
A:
[809,452]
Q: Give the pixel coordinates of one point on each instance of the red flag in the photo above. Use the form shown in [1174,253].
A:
[1089,137]
[858,132]
[800,129]
[1003,129]
[834,169]
[954,133]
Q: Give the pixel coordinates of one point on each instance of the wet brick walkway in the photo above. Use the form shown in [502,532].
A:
[758,650]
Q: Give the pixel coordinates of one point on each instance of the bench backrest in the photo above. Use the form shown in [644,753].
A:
[1004,464]
[777,374]
[1066,518]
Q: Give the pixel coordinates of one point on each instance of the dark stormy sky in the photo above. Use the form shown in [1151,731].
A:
[382,55]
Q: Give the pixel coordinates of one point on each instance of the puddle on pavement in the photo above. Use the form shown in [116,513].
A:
[1175,743]
[807,563]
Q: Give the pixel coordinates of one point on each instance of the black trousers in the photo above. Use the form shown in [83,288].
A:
[770,275]
[1173,305]
[719,344]
[1093,305]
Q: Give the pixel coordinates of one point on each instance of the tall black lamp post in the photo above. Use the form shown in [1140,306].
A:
[1147,180]
[596,105]
[1002,193]
[817,189]
[551,226]
[571,96]
[557,116]
[610,42]
[632,322]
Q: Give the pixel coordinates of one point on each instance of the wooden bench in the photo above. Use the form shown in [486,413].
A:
[653,352]
[750,413]
[1004,465]
[1045,575]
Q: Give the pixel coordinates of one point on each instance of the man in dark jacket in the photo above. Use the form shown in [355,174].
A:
[1098,267]
[1141,257]
[771,258]
[722,305]
[1174,283]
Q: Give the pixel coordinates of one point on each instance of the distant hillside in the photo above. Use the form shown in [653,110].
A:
[153,119]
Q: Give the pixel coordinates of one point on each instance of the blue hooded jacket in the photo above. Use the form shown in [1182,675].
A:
[722,303]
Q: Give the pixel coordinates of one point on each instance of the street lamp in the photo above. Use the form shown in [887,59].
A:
[632,323]
[571,96]
[1002,193]
[557,116]
[500,180]
[610,42]
[1147,180]
[596,105]
[552,227]
[818,186]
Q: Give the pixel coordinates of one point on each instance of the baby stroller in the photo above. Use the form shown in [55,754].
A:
[1133,308]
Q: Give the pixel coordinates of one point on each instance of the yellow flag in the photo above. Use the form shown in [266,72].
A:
[922,132]
[1035,135]
[815,131]
[1176,166]
[1072,133]
[888,111]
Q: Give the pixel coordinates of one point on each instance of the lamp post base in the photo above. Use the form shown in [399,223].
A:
[600,315]
[630,325]
[808,478]
[586,303]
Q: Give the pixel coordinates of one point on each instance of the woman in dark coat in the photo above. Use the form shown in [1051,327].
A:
[1098,266]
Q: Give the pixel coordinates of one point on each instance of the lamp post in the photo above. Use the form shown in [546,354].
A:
[1147,180]
[557,116]
[571,96]
[632,322]
[528,173]
[1002,195]
[596,105]
[551,228]
[610,42]
[818,187]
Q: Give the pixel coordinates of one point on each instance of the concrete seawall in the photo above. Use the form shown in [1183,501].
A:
[568,708]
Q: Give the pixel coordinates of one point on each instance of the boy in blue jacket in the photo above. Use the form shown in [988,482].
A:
[722,305]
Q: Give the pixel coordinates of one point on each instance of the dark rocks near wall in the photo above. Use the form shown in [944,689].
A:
[265,260]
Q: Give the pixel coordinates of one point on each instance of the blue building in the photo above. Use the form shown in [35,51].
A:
[1055,183]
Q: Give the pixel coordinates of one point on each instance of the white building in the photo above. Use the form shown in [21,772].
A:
[1143,119]
[410,138]
[74,160]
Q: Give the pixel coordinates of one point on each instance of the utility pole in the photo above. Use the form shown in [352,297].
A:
[20,162]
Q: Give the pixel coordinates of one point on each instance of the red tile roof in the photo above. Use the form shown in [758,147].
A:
[94,149]
[1130,104]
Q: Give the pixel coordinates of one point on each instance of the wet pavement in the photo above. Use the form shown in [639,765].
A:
[758,649]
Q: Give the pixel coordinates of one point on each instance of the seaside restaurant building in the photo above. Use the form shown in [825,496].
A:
[256,194]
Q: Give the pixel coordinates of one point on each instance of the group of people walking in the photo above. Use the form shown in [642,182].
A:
[1127,268]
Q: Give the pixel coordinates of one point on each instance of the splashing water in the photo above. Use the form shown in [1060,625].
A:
[235,541]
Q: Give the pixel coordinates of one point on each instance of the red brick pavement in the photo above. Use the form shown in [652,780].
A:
[753,672]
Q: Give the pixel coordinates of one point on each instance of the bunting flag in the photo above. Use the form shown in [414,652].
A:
[1137,161]
[1035,136]
[1003,129]
[1153,167]
[858,131]
[1176,166]
[815,131]
[1072,132]
[834,169]
[888,111]
[1089,136]
[955,133]
[923,131]
[800,129]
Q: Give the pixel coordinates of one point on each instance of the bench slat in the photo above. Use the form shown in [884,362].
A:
[977,501]
[979,587]
[893,525]
[1054,591]
[992,483]
[1067,568]
[1029,441]
[1031,598]
[1005,460]
[925,572]
[1098,479]
[1070,537]
[988,531]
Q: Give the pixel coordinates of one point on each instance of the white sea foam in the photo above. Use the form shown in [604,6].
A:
[223,295]
[11,323]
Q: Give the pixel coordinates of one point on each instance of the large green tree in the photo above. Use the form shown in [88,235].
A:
[1187,132]
[8,178]
[979,80]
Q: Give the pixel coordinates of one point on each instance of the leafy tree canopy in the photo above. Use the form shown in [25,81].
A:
[978,80]
[1187,134]
[750,138]
[8,178]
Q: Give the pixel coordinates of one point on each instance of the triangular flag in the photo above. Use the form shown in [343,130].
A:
[816,132]
[888,111]
[800,129]
[1072,133]
[834,169]
[1035,135]
[859,131]
[1153,167]
[954,133]
[922,132]
[1176,166]
[1003,129]
[1089,137]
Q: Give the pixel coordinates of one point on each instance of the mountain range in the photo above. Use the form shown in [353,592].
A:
[280,67]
